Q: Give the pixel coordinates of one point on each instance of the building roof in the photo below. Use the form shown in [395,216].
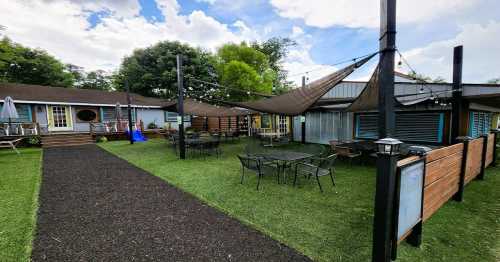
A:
[23,93]
[198,108]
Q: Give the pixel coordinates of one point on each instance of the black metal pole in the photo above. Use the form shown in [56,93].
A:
[386,164]
[483,156]
[303,118]
[457,104]
[180,107]
[495,131]
[129,112]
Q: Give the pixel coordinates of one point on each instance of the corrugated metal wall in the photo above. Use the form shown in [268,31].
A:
[322,127]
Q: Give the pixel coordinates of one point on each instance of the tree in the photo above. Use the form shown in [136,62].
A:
[19,64]
[98,80]
[494,81]
[426,79]
[243,67]
[152,71]
[276,49]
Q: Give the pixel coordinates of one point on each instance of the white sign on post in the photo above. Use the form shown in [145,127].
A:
[302,119]
[179,120]
[410,197]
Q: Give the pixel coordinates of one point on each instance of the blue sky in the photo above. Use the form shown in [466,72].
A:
[97,34]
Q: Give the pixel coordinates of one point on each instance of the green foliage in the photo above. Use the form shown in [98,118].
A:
[19,184]
[19,64]
[98,80]
[244,68]
[494,81]
[276,49]
[152,125]
[426,79]
[34,140]
[152,71]
[101,139]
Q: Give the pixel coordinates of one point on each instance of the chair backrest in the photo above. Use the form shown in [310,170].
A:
[249,162]
[328,162]
[342,151]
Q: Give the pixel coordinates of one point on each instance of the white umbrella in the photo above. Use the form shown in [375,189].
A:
[9,109]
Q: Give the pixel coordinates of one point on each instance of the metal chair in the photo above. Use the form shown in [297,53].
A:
[325,166]
[254,164]
[11,144]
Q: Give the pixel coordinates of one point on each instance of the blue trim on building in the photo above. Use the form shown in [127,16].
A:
[30,113]
[101,113]
[357,126]
[441,128]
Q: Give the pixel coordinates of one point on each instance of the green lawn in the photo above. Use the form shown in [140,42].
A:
[329,226]
[19,184]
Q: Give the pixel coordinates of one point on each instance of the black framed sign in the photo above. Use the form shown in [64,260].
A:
[408,204]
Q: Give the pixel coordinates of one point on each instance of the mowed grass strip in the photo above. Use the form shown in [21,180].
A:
[330,226]
[20,177]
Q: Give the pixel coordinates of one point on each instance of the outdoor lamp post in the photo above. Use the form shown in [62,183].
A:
[388,146]
[387,152]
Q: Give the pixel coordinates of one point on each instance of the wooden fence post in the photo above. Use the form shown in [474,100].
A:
[459,196]
[495,133]
[483,156]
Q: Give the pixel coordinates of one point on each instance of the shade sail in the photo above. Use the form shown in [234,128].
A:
[368,99]
[197,108]
[299,100]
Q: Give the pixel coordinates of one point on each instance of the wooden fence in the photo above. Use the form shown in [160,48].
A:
[447,172]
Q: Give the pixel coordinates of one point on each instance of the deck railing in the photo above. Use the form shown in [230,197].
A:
[19,129]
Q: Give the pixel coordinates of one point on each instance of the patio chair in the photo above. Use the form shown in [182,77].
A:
[11,144]
[325,167]
[347,152]
[254,164]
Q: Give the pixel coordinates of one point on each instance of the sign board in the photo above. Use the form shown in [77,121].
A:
[409,199]
[302,119]
[179,120]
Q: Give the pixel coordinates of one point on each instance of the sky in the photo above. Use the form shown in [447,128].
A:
[97,34]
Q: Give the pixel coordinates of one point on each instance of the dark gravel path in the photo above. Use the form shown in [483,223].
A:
[95,206]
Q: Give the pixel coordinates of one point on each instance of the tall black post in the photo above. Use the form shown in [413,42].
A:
[129,112]
[457,104]
[303,118]
[180,107]
[386,164]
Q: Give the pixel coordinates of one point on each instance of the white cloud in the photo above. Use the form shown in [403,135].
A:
[365,13]
[299,61]
[481,54]
[61,28]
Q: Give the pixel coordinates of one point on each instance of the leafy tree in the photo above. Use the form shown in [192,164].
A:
[19,64]
[98,79]
[243,67]
[494,81]
[153,71]
[276,49]
[426,79]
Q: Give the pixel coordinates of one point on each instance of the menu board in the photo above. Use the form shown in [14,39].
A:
[411,183]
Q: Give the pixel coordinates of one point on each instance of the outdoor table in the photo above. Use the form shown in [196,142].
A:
[284,157]
[270,135]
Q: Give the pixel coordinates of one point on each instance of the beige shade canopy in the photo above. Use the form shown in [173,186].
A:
[299,100]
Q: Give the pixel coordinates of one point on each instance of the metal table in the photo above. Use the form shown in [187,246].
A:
[270,135]
[285,158]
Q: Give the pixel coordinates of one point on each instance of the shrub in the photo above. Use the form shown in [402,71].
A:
[101,139]
[34,141]
[152,125]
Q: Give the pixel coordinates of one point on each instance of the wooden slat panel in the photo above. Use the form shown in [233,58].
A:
[445,151]
[474,155]
[438,193]
[407,160]
[447,165]
[490,149]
